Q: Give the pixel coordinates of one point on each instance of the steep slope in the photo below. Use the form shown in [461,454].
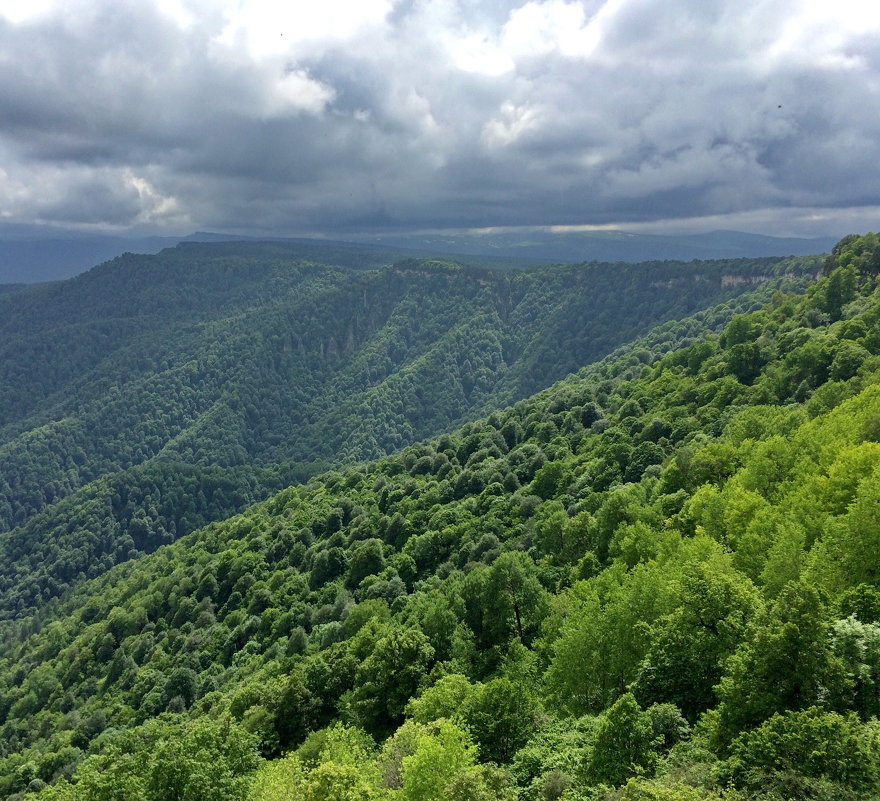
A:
[664,567]
[248,360]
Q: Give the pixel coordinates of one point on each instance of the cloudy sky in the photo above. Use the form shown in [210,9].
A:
[334,116]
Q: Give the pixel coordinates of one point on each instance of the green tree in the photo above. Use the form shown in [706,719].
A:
[389,677]
[606,633]
[643,790]
[857,646]
[209,761]
[482,783]
[690,646]
[295,710]
[367,558]
[624,745]
[515,602]
[444,699]
[808,744]
[501,715]
[111,776]
[786,664]
[440,755]
[277,780]
[332,782]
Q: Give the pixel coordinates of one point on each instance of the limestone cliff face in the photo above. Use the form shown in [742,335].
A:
[734,279]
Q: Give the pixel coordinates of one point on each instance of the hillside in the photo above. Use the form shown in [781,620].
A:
[658,576]
[154,394]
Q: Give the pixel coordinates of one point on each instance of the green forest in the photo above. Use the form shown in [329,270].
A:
[657,579]
[155,394]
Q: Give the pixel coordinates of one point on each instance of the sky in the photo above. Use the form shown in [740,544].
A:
[339,116]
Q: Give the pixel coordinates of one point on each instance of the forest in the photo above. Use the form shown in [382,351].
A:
[155,394]
[655,580]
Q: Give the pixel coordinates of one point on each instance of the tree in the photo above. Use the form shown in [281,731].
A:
[606,633]
[482,783]
[209,761]
[501,715]
[515,602]
[440,755]
[180,684]
[388,678]
[643,790]
[445,699]
[857,646]
[624,745]
[277,780]
[111,776]
[811,744]
[838,290]
[787,664]
[745,360]
[366,559]
[295,710]
[848,358]
[691,644]
[332,782]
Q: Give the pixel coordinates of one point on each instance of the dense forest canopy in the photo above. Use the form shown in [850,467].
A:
[155,394]
[654,581]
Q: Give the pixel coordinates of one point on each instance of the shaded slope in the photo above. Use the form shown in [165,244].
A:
[208,357]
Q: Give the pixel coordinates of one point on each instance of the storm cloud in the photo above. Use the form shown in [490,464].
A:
[367,115]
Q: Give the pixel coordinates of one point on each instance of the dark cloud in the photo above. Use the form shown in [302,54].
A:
[440,113]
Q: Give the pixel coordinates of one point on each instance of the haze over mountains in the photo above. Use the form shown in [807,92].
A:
[30,254]
[612,246]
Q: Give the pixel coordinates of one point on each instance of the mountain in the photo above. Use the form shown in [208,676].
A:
[656,579]
[33,255]
[580,246]
[154,394]
[29,255]
[33,260]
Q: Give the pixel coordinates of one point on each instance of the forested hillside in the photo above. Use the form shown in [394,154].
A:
[655,581]
[154,394]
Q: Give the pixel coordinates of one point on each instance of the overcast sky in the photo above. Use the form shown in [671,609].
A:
[260,116]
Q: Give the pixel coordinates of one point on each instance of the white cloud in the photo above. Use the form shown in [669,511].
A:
[539,28]
[514,123]
[268,28]
[20,12]
[820,32]
[295,90]
[177,11]
[474,52]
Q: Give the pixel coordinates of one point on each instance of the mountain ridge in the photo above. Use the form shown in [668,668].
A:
[35,255]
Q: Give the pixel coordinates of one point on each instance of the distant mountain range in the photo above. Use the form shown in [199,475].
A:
[29,255]
[611,246]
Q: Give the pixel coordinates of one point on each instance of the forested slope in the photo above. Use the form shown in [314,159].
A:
[132,392]
[660,576]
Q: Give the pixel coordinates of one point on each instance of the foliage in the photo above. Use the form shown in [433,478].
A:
[654,580]
[155,394]
[812,744]
[624,745]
